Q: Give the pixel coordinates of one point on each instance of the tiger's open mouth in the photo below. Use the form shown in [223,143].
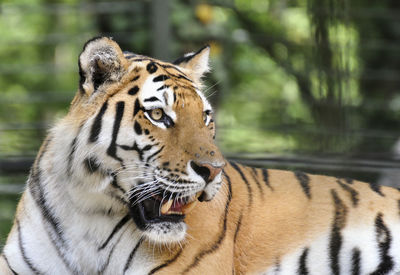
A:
[156,209]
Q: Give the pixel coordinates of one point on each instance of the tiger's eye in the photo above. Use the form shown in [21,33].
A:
[156,114]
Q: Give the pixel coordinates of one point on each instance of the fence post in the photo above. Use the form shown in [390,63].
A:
[161,30]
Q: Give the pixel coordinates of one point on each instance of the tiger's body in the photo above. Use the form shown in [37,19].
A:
[114,187]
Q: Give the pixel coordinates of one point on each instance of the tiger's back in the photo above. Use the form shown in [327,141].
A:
[317,225]
[116,184]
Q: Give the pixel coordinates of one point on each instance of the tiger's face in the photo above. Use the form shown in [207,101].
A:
[151,133]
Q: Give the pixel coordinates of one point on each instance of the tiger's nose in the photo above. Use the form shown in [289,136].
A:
[206,170]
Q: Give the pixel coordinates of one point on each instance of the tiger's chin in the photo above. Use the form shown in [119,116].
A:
[166,232]
[162,221]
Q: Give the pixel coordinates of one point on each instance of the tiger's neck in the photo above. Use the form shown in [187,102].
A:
[77,228]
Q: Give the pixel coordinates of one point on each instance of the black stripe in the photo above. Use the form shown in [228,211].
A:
[161,77]
[335,242]
[222,234]
[35,171]
[170,261]
[23,252]
[255,178]
[138,128]
[72,150]
[107,262]
[154,154]
[38,194]
[303,270]
[186,58]
[141,59]
[82,78]
[8,264]
[151,67]
[348,180]
[376,188]
[353,193]
[115,184]
[165,66]
[384,239]
[133,90]
[96,127]
[163,87]
[117,227]
[112,149]
[135,78]
[136,148]
[129,261]
[277,267]
[355,262]
[266,178]
[71,155]
[249,189]
[182,76]
[398,206]
[238,225]
[151,99]
[137,107]
[304,181]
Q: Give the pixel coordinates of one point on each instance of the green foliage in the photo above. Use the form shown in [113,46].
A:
[8,205]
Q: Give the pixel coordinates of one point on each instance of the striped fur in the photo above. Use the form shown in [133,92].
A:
[77,217]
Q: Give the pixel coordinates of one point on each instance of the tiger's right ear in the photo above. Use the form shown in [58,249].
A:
[101,63]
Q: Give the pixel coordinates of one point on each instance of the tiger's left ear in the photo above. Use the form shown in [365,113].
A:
[101,64]
[195,63]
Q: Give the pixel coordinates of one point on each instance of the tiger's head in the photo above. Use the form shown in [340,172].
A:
[144,136]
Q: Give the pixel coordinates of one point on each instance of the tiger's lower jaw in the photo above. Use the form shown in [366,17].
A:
[166,232]
[161,222]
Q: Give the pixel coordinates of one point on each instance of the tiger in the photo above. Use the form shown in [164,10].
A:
[131,181]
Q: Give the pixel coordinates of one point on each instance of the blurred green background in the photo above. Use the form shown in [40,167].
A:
[312,85]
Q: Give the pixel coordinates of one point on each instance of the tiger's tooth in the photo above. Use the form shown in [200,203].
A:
[166,206]
[174,212]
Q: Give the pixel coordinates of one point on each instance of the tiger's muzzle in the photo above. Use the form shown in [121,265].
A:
[170,207]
